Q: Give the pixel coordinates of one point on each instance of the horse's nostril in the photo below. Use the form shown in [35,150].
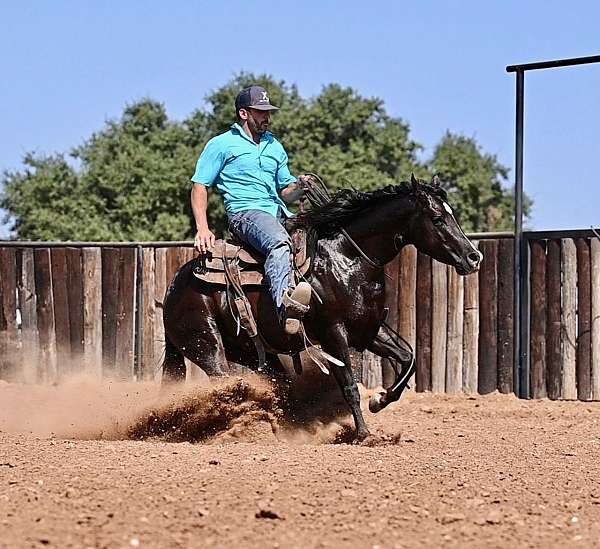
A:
[474,258]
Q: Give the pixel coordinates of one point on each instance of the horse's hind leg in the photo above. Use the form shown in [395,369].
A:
[173,367]
[202,345]
[191,329]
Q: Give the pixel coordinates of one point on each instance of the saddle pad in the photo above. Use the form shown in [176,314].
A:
[247,278]
[223,248]
[252,277]
[216,263]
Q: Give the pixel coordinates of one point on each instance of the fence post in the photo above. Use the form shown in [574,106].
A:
[139,313]
[569,319]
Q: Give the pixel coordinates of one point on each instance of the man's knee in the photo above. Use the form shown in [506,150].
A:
[280,246]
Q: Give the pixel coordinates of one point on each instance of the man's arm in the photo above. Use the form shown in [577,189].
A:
[292,192]
[205,239]
[290,189]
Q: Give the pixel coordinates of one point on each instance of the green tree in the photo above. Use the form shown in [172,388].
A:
[129,185]
[476,184]
[134,167]
[46,200]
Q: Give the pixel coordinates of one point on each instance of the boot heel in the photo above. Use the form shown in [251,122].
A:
[292,326]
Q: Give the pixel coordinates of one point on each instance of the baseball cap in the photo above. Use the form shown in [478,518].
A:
[254,97]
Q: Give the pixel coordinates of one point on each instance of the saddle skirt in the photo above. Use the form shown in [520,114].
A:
[248,263]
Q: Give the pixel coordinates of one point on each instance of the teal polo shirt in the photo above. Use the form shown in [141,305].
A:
[247,174]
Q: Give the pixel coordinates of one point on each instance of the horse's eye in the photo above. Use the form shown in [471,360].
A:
[438,221]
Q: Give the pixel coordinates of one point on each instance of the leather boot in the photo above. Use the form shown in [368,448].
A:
[296,302]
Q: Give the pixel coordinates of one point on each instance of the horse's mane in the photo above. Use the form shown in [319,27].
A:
[344,205]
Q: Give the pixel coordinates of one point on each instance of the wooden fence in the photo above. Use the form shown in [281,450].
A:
[97,309]
[565,318]
[66,309]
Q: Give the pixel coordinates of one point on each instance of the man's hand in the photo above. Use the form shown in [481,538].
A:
[305,181]
[204,240]
[295,191]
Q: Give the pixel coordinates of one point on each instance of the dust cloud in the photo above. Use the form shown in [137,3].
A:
[242,408]
[81,407]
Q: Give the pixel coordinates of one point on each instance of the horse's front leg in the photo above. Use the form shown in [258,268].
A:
[386,345]
[336,344]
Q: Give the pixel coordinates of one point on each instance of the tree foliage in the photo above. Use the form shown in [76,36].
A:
[130,180]
[130,184]
[476,183]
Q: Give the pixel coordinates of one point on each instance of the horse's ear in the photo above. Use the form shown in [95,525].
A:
[414,182]
[435,181]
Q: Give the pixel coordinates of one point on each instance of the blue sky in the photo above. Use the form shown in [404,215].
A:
[68,66]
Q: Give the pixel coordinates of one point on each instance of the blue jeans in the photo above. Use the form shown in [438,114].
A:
[267,235]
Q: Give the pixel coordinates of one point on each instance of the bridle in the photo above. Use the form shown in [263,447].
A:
[359,250]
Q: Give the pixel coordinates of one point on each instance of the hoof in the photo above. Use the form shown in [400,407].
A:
[362,435]
[372,441]
[377,403]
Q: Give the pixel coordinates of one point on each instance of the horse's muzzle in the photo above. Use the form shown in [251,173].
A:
[470,264]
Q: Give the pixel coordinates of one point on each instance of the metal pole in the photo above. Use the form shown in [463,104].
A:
[520,92]
[555,64]
[520,378]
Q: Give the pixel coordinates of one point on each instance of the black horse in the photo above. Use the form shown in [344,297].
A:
[353,235]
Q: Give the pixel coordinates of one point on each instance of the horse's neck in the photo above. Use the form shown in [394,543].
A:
[375,230]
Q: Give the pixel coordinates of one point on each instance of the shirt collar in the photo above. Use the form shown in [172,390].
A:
[267,136]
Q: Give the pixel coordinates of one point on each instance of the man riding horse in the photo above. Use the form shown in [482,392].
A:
[249,167]
[351,236]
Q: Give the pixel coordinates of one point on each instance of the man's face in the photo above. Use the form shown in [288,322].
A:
[258,121]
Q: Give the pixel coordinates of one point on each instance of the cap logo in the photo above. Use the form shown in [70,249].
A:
[264,98]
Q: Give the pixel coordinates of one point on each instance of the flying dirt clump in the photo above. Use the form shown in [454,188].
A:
[236,408]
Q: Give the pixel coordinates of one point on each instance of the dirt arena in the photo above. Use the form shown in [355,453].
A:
[119,466]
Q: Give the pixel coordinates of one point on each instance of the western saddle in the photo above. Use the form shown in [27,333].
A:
[234,265]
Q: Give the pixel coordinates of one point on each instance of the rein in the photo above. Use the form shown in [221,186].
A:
[318,195]
[357,247]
